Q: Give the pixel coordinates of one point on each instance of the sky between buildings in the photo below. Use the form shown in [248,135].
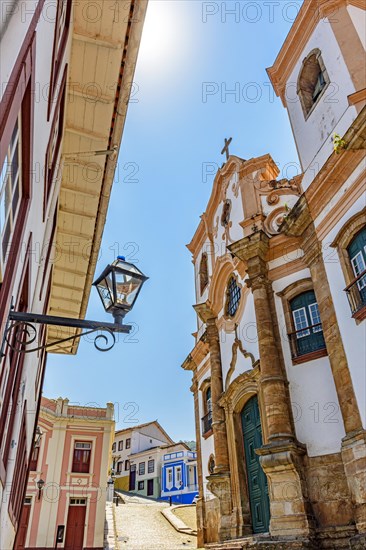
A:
[200,78]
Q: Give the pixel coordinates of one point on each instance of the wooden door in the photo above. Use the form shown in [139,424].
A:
[75,528]
[257,480]
[150,487]
[23,528]
[132,485]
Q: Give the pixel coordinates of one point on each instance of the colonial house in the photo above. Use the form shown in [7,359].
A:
[179,483]
[71,460]
[279,378]
[66,74]
[146,471]
[128,443]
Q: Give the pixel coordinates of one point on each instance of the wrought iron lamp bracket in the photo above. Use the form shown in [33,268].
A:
[22,330]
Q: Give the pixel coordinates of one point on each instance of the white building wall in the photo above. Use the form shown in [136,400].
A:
[11,43]
[332,114]
[314,401]
[358,17]
[353,334]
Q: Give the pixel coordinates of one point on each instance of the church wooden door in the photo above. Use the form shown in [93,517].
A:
[257,480]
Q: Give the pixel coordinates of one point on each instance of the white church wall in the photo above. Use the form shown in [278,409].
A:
[313,135]
[358,17]
[247,333]
[318,420]
[353,334]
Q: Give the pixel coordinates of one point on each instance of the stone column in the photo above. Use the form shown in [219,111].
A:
[217,388]
[282,455]
[200,508]
[253,250]
[300,224]
[219,481]
[237,514]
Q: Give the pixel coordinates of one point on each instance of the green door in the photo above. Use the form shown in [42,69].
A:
[257,480]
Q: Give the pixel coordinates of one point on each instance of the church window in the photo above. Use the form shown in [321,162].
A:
[203,272]
[308,335]
[151,466]
[233,294]
[207,419]
[313,80]
[142,468]
[226,211]
[356,291]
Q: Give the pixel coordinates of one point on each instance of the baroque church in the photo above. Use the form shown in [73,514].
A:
[278,365]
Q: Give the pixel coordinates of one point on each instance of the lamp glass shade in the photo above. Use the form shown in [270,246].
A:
[105,289]
[119,285]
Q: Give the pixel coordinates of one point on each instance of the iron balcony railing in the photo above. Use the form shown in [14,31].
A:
[356,293]
[207,423]
[307,340]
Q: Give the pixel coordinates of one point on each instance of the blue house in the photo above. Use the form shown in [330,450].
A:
[179,475]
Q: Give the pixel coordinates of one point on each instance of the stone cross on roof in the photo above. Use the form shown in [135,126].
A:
[226,148]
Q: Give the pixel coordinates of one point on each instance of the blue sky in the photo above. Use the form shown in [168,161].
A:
[192,55]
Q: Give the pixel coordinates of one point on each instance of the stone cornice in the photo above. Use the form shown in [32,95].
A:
[253,246]
[298,220]
[204,311]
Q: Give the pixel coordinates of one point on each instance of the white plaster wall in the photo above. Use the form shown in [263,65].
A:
[313,135]
[315,406]
[358,17]
[247,332]
[353,334]
[9,49]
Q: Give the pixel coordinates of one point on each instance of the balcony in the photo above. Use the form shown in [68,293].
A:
[356,294]
[307,344]
[207,424]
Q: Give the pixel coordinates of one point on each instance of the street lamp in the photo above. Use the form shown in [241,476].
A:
[40,485]
[118,286]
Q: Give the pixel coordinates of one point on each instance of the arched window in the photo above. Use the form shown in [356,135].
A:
[312,81]
[208,400]
[233,294]
[357,255]
[308,335]
[203,272]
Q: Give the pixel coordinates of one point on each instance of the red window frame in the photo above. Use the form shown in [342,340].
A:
[13,363]
[57,124]
[34,459]
[18,486]
[58,53]
[19,98]
[79,464]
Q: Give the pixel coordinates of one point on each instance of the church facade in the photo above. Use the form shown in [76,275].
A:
[278,365]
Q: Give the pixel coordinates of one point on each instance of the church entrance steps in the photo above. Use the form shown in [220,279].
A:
[333,538]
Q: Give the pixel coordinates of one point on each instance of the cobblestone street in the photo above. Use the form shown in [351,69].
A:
[141,526]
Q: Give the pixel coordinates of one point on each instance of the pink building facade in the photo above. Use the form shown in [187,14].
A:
[72,457]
